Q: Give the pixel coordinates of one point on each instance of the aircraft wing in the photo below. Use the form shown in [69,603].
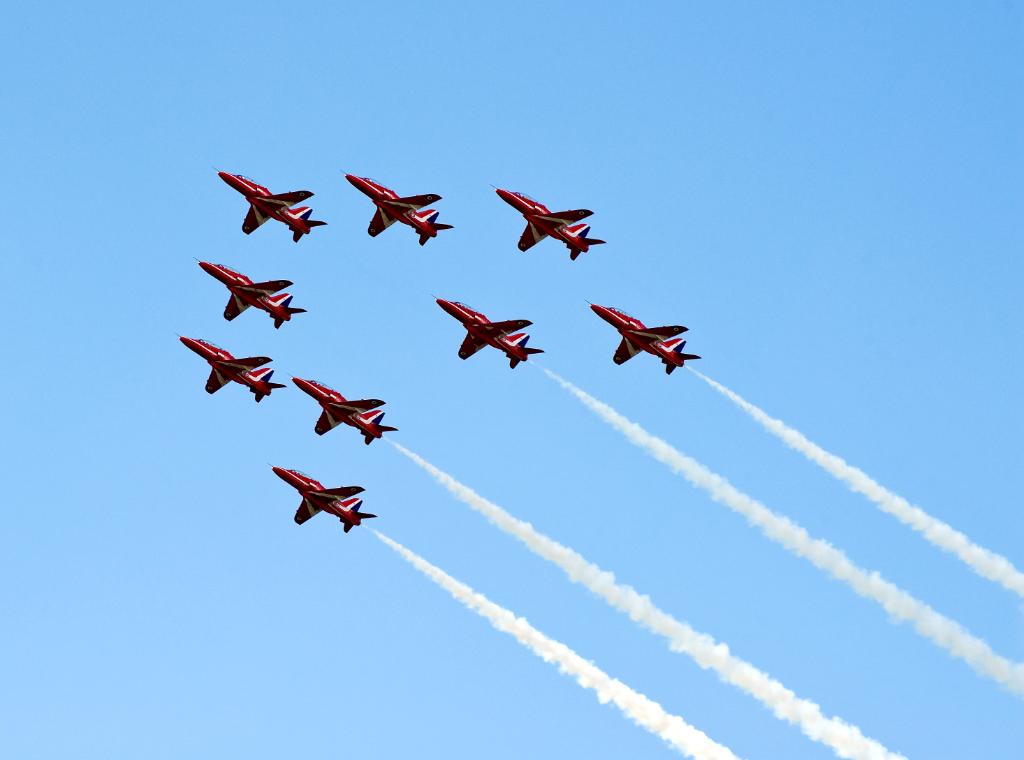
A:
[306,510]
[379,223]
[339,493]
[414,202]
[287,199]
[247,363]
[235,307]
[253,220]
[266,288]
[506,327]
[625,352]
[324,423]
[215,382]
[530,237]
[567,217]
[470,346]
[667,331]
[358,405]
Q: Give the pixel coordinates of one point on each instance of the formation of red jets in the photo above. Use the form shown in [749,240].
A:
[364,415]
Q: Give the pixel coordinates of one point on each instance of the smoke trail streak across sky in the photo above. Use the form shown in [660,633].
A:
[644,712]
[941,630]
[845,740]
[985,563]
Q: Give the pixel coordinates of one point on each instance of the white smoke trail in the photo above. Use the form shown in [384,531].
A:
[643,711]
[845,740]
[946,633]
[985,563]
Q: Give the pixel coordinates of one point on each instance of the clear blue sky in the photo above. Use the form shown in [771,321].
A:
[828,195]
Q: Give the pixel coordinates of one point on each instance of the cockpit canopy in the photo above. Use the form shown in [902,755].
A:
[621,313]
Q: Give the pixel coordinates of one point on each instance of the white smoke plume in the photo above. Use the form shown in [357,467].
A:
[646,713]
[985,563]
[946,633]
[844,739]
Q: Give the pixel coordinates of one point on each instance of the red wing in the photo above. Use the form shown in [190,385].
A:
[215,382]
[379,223]
[414,201]
[287,199]
[625,352]
[470,346]
[341,493]
[253,220]
[568,217]
[358,405]
[266,288]
[235,307]
[530,237]
[305,511]
[248,362]
[506,327]
[662,332]
[325,423]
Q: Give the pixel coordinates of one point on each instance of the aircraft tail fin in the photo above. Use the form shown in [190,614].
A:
[676,346]
[429,217]
[304,213]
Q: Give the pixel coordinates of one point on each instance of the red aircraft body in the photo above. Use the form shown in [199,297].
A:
[316,498]
[480,332]
[264,205]
[362,414]
[637,337]
[391,209]
[541,223]
[225,368]
[246,293]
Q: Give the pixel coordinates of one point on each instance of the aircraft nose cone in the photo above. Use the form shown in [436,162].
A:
[281,472]
[207,267]
[225,176]
[301,384]
[353,179]
[505,195]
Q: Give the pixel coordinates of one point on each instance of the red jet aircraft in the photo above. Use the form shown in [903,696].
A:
[225,367]
[391,209]
[361,414]
[480,332]
[637,337]
[316,498]
[540,223]
[246,293]
[263,206]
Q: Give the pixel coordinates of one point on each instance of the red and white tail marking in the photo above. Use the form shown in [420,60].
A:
[281,299]
[374,416]
[263,373]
